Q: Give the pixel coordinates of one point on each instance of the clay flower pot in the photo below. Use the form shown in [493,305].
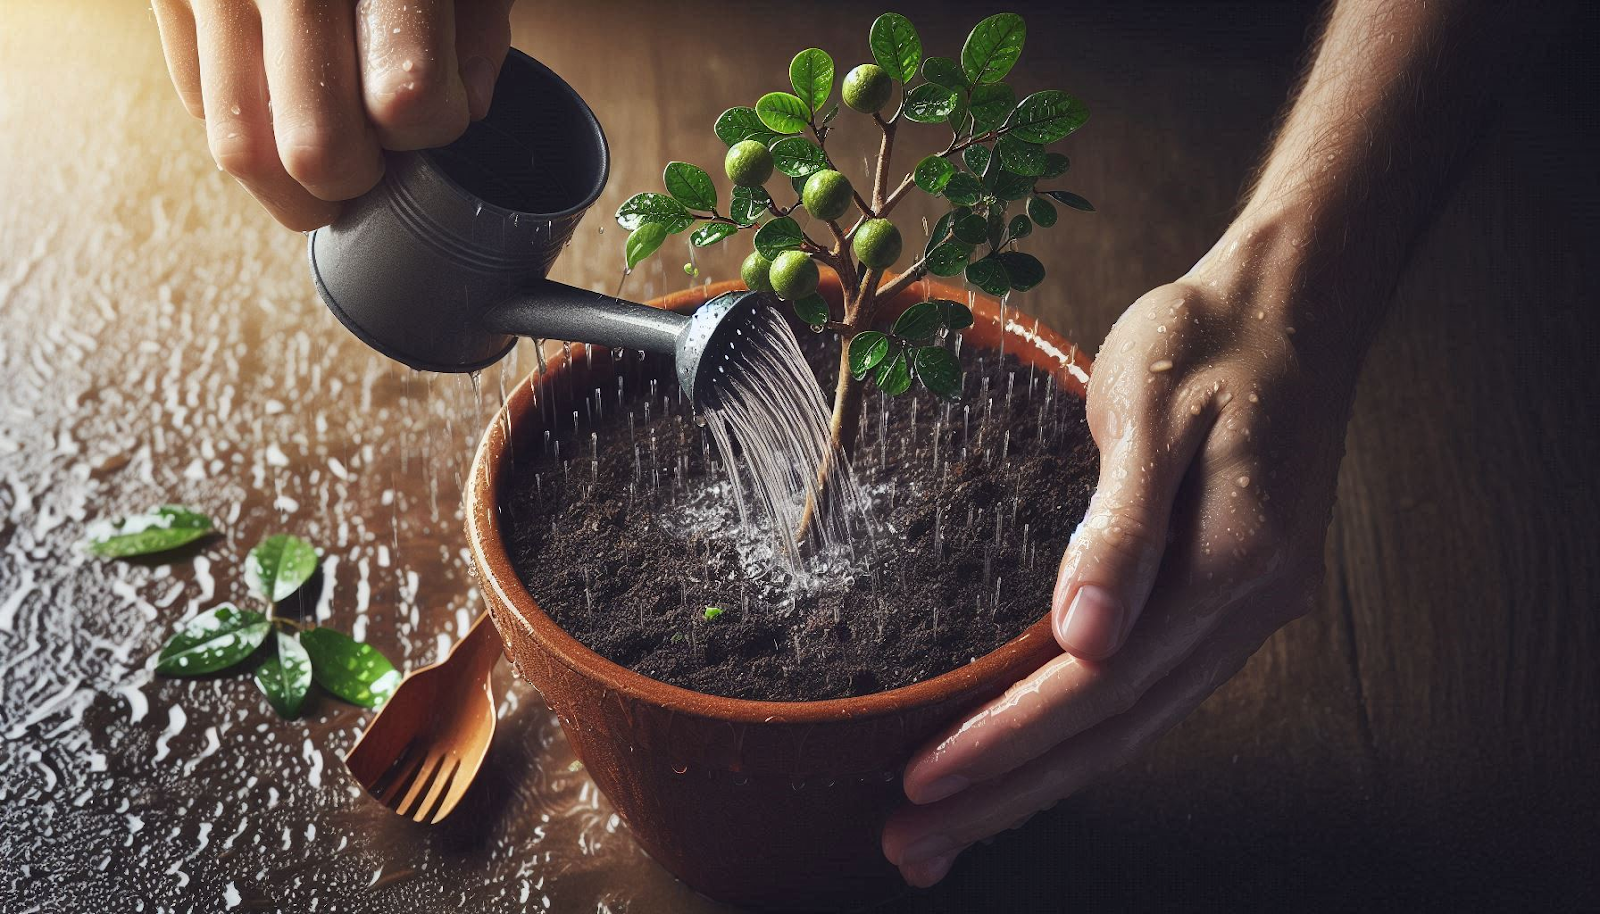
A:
[773,804]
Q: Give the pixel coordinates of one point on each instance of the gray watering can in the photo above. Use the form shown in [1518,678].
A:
[442,265]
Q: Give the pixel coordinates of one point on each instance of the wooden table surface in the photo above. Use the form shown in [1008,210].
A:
[1429,734]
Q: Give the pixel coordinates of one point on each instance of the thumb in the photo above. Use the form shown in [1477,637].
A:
[483,33]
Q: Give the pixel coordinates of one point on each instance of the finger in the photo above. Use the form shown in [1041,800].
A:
[176,23]
[1111,562]
[915,835]
[928,873]
[410,79]
[238,123]
[483,34]
[319,121]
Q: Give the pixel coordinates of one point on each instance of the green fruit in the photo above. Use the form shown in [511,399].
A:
[867,88]
[877,243]
[827,195]
[756,272]
[749,164]
[793,275]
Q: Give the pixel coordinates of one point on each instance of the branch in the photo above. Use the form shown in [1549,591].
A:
[842,251]
[950,150]
[880,176]
[916,272]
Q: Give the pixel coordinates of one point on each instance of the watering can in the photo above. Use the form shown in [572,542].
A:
[442,265]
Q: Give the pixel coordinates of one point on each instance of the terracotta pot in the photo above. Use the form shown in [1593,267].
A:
[773,804]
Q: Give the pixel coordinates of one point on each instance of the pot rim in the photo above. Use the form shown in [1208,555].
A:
[1070,369]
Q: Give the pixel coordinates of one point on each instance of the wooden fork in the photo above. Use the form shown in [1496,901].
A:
[420,754]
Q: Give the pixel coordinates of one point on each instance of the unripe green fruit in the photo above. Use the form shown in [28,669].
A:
[756,272]
[867,88]
[827,195]
[877,243]
[794,275]
[748,164]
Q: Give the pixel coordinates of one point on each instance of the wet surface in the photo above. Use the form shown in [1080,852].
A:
[1427,732]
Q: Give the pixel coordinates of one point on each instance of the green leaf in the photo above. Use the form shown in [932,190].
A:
[1024,270]
[949,258]
[867,349]
[963,189]
[1010,186]
[798,157]
[971,228]
[933,173]
[1046,116]
[659,208]
[1021,227]
[1055,165]
[279,565]
[894,374]
[990,104]
[712,613]
[690,185]
[939,371]
[989,274]
[929,104]
[742,123]
[953,314]
[813,309]
[976,159]
[895,46]
[942,71]
[832,113]
[959,118]
[918,322]
[995,227]
[992,49]
[156,530]
[1042,212]
[941,231]
[643,242]
[212,641]
[710,233]
[748,204]
[783,113]
[1069,199]
[286,678]
[777,236]
[1020,157]
[354,671]
[811,74]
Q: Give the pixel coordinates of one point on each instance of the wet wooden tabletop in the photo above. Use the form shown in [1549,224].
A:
[1429,733]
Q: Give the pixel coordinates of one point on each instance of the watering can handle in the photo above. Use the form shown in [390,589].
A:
[551,310]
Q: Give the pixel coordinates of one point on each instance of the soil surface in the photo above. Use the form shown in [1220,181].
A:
[631,573]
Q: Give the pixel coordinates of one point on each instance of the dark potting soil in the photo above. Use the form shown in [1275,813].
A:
[631,572]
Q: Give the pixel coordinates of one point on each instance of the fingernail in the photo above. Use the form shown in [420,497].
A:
[930,872]
[927,848]
[478,76]
[1092,623]
[947,786]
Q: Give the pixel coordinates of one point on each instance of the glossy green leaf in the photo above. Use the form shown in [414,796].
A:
[929,104]
[933,173]
[690,185]
[777,236]
[658,208]
[867,349]
[992,48]
[811,75]
[1023,270]
[1042,212]
[995,228]
[1011,186]
[953,314]
[783,113]
[919,322]
[354,671]
[976,159]
[710,233]
[894,374]
[1067,198]
[798,157]
[971,228]
[644,241]
[212,641]
[743,123]
[896,46]
[942,71]
[279,565]
[813,309]
[1019,156]
[941,231]
[1020,227]
[1046,116]
[949,258]
[1055,165]
[749,203]
[960,119]
[156,530]
[963,189]
[832,113]
[989,274]
[989,106]
[939,370]
[286,678]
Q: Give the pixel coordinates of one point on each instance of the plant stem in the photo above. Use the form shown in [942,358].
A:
[880,176]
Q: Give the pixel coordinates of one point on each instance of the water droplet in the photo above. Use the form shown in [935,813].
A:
[1161,365]
[1243,482]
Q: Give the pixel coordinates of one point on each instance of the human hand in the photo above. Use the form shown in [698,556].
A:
[300,99]
[1220,431]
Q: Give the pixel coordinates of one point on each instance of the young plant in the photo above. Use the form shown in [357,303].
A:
[993,158]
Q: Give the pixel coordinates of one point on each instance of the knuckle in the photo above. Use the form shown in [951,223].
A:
[420,101]
[327,161]
[1129,532]
[243,155]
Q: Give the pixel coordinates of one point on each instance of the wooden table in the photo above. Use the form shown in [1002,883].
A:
[1429,734]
